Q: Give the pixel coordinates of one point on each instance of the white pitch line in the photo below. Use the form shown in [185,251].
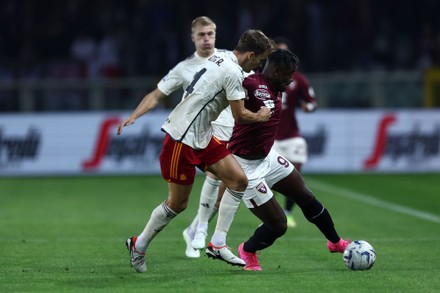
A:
[354,195]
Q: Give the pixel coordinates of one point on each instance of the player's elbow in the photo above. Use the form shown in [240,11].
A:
[240,120]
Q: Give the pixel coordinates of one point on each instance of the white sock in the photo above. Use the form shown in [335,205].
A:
[208,197]
[213,214]
[160,217]
[228,208]
[193,227]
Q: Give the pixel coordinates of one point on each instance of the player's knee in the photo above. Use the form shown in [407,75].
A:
[178,206]
[240,183]
[282,228]
[268,234]
[279,228]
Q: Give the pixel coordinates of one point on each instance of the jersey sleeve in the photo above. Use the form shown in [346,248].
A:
[233,86]
[172,81]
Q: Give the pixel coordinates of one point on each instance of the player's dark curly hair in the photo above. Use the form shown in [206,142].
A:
[255,41]
[283,59]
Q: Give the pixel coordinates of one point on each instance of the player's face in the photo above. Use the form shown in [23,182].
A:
[254,61]
[281,78]
[282,46]
[204,39]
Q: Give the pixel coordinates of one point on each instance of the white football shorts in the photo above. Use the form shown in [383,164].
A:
[294,149]
[262,175]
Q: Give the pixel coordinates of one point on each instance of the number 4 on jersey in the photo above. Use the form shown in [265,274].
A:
[190,88]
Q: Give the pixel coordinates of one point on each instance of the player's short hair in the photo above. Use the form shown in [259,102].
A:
[255,41]
[204,21]
[283,59]
[283,40]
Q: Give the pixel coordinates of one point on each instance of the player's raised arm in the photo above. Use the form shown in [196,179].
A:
[149,102]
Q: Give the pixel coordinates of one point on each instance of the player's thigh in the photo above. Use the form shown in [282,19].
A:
[210,175]
[294,187]
[229,171]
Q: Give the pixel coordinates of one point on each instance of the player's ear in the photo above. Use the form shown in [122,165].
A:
[250,55]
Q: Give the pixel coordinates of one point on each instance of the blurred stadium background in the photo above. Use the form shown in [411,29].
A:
[103,55]
[70,70]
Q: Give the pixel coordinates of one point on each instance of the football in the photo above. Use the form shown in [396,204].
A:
[359,255]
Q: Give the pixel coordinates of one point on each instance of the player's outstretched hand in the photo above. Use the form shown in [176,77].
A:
[126,122]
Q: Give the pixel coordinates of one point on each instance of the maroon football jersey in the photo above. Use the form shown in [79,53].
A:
[254,140]
[298,90]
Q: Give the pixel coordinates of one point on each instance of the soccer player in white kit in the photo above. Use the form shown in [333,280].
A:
[203,34]
[189,141]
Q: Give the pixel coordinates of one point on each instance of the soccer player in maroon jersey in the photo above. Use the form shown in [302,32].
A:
[267,170]
[288,141]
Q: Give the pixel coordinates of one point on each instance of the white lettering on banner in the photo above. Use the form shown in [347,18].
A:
[338,141]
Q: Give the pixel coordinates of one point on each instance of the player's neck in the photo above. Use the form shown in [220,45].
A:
[205,54]
[241,58]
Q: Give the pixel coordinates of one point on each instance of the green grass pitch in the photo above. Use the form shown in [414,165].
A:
[66,234]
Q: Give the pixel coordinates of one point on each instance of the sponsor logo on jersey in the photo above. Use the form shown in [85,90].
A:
[269,104]
[262,94]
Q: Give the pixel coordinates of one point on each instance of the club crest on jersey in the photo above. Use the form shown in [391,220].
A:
[262,94]
[262,188]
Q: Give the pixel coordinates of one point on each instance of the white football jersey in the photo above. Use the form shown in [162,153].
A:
[217,79]
[223,126]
